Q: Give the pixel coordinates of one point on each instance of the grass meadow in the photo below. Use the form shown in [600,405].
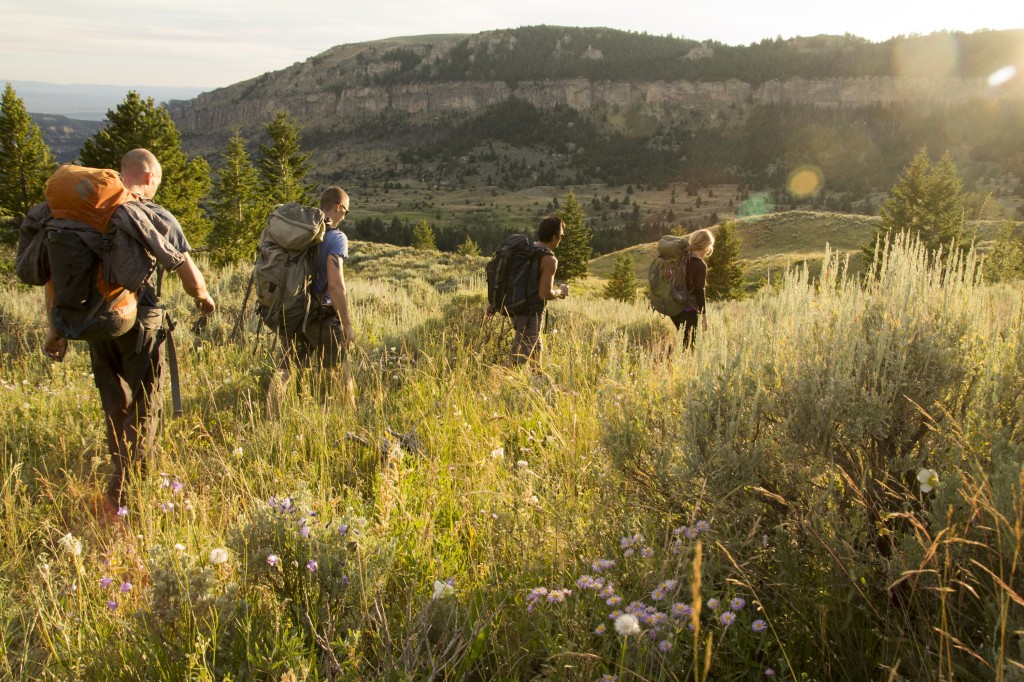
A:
[827,488]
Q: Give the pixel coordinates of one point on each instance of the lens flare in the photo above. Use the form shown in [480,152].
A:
[932,56]
[1002,76]
[805,181]
[758,204]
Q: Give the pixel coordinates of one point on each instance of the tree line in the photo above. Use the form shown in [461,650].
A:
[226,210]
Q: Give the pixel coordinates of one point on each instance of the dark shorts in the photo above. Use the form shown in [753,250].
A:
[129,375]
[688,321]
[527,342]
[321,343]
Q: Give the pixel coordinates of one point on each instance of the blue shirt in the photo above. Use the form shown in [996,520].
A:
[335,243]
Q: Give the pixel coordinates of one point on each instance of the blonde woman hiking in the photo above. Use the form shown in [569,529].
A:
[702,244]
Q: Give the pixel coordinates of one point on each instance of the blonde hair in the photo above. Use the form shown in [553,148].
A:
[700,240]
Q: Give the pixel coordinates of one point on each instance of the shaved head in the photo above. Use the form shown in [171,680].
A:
[141,172]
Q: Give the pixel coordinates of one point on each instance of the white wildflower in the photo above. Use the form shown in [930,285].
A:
[71,544]
[442,590]
[179,548]
[627,625]
[218,555]
[929,479]
[522,464]
[498,452]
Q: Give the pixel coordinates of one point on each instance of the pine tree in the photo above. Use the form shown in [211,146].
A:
[725,269]
[469,247]
[1006,259]
[25,160]
[927,201]
[283,165]
[622,284]
[945,204]
[423,237]
[136,123]
[239,210]
[574,252]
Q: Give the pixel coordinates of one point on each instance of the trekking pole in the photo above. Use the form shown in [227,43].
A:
[172,366]
[245,301]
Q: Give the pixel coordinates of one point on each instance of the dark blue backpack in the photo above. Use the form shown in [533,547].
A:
[513,276]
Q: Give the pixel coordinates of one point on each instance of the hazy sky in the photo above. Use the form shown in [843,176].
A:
[212,43]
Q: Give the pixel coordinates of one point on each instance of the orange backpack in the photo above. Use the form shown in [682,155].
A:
[82,302]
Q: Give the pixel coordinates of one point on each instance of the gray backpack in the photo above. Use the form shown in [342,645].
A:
[666,277]
[286,265]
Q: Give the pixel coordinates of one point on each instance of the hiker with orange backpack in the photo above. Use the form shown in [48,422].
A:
[96,243]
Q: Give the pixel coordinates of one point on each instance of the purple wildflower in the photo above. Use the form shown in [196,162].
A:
[558,596]
[681,611]
[665,646]
[122,511]
[727,618]
[759,625]
[106,582]
[176,486]
[768,672]
[601,629]
[713,604]
[311,565]
[737,603]
[273,560]
[126,586]
[647,552]
[112,604]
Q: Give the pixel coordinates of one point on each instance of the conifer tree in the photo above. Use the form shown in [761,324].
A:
[25,160]
[725,269]
[283,165]
[469,247]
[423,237]
[574,252]
[239,210]
[138,122]
[622,285]
[1006,259]
[927,201]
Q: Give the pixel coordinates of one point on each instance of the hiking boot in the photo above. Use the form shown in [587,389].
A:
[106,511]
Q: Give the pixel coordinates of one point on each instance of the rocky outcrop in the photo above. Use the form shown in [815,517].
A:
[212,112]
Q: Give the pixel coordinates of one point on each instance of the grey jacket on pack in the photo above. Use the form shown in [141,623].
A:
[130,250]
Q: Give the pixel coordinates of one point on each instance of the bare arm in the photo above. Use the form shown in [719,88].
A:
[548,267]
[194,284]
[339,295]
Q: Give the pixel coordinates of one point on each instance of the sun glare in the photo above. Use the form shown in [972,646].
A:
[805,181]
[932,56]
[1002,76]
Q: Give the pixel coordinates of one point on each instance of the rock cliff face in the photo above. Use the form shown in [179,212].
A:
[215,112]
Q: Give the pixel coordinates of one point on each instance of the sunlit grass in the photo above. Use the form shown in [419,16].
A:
[793,434]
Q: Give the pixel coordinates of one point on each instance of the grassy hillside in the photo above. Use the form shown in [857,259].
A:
[775,242]
[835,471]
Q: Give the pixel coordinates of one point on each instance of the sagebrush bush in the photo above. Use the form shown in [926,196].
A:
[847,452]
